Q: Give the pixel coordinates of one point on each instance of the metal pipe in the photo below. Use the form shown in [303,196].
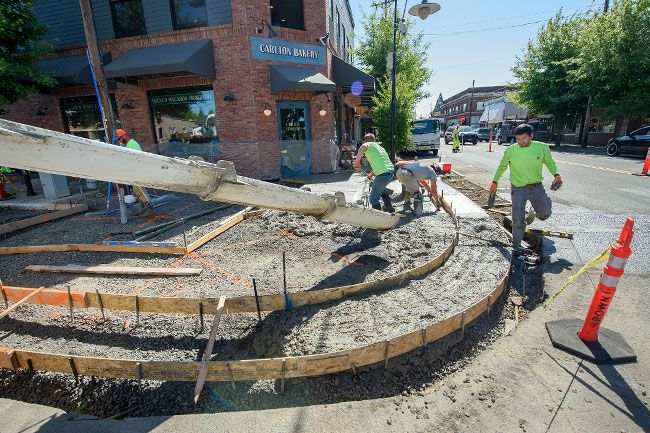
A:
[39,149]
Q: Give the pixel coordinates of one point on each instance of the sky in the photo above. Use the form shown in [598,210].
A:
[475,39]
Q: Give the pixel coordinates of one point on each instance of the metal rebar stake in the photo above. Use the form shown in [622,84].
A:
[257,301]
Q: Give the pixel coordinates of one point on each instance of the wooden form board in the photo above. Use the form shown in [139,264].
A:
[28,222]
[230,222]
[255,369]
[91,247]
[20,302]
[114,270]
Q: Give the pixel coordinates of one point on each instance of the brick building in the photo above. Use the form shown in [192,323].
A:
[459,104]
[267,84]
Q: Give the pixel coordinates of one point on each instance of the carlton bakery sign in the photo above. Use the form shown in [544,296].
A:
[285,51]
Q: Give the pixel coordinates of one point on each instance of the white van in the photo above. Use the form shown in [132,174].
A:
[426,136]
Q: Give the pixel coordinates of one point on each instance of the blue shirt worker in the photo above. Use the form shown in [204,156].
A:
[525,160]
[382,169]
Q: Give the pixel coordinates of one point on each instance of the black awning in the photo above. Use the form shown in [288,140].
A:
[344,74]
[196,57]
[73,70]
[295,78]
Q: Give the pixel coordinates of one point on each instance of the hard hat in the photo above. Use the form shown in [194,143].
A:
[120,133]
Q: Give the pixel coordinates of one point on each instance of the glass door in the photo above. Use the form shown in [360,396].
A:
[294,134]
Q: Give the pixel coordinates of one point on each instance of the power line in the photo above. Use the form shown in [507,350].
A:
[484,29]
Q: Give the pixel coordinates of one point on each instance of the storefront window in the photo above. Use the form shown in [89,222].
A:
[189,13]
[83,117]
[184,115]
[128,18]
[287,13]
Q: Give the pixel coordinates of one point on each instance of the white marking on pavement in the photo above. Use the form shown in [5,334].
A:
[613,170]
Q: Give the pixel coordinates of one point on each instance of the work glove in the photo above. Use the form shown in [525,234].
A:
[557,183]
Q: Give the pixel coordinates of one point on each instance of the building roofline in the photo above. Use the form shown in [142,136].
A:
[484,89]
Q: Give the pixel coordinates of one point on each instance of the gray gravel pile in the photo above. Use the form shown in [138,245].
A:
[471,273]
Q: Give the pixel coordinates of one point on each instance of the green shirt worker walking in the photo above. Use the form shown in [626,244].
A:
[139,192]
[525,160]
[382,169]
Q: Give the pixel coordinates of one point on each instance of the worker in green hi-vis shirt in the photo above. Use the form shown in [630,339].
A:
[525,160]
[147,209]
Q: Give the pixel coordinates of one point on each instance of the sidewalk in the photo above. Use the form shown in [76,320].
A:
[518,384]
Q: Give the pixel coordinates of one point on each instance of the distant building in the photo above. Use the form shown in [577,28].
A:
[458,105]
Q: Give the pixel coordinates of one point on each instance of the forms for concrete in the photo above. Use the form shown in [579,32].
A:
[269,368]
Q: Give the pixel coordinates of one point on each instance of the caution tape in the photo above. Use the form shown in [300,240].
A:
[604,255]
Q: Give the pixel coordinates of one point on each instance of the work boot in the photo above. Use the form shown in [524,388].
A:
[407,206]
[388,208]
[418,204]
[376,206]
[531,217]
[517,236]
[388,205]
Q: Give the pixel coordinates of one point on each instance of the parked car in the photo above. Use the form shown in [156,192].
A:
[635,142]
[465,135]
[506,132]
[483,134]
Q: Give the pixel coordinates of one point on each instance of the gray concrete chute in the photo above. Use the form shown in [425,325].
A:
[38,149]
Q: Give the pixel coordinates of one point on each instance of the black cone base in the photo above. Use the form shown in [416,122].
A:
[610,349]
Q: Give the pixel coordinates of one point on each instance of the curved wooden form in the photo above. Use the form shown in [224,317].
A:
[242,304]
[252,369]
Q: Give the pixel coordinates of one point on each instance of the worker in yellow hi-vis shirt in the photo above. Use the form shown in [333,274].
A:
[147,209]
[525,160]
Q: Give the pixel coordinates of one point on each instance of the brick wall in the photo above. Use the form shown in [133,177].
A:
[248,137]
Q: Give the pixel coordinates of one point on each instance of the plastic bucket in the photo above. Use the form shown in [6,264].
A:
[446,168]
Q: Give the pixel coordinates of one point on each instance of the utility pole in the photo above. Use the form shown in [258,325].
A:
[96,64]
[471,101]
[393,108]
[606,8]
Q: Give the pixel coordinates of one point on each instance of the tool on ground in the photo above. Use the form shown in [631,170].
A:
[517,301]
[491,199]
[539,232]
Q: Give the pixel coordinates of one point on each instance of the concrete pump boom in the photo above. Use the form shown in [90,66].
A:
[32,148]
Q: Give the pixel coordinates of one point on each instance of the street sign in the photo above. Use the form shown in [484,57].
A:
[461,120]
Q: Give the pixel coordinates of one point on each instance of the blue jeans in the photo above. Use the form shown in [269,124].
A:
[379,186]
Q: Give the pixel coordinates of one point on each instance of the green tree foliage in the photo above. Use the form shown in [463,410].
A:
[615,60]
[412,73]
[20,47]
[545,71]
[605,55]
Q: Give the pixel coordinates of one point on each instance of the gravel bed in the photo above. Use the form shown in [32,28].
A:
[335,253]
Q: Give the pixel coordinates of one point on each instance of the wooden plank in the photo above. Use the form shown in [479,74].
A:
[28,222]
[114,270]
[91,247]
[255,213]
[19,303]
[253,369]
[208,350]
[58,298]
[230,222]
[142,244]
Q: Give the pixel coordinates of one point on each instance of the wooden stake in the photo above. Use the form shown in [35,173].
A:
[21,302]
[70,304]
[137,310]
[208,350]
[101,304]
[232,377]
[257,301]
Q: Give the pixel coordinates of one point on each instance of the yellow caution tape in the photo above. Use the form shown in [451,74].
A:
[604,255]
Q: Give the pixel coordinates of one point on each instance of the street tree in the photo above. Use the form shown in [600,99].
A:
[412,74]
[547,72]
[615,59]
[20,46]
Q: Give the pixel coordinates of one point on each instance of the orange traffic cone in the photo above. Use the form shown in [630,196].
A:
[646,166]
[3,191]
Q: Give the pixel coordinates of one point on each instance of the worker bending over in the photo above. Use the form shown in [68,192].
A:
[525,161]
[382,170]
[140,193]
[412,175]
